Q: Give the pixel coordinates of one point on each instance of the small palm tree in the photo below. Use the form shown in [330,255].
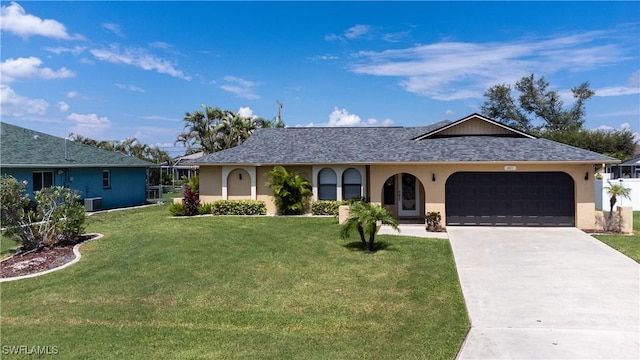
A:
[364,218]
[615,191]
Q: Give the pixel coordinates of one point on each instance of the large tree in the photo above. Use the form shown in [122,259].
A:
[213,129]
[541,112]
[537,108]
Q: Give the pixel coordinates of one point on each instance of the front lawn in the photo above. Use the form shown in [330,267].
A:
[626,244]
[238,288]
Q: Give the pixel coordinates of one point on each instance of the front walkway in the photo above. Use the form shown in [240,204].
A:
[546,293]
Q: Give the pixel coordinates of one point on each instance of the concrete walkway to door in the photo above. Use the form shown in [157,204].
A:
[546,293]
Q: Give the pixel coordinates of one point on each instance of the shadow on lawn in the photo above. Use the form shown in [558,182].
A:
[378,245]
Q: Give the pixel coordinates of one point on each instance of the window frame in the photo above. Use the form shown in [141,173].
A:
[42,182]
[107,179]
[324,188]
[351,185]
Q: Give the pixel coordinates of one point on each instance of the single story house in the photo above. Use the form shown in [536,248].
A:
[473,171]
[104,179]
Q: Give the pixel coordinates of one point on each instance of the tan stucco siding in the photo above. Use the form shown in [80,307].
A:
[432,192]
[435,190]
[238,185]
[210,183]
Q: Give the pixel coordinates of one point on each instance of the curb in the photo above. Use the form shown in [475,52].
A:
[76,252]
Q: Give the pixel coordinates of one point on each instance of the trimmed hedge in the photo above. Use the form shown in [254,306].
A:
[239,207]
[326,207]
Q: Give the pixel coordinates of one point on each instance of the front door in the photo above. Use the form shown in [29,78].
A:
[408,196]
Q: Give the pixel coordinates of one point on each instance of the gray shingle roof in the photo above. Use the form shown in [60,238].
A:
[391,145]
[20,147]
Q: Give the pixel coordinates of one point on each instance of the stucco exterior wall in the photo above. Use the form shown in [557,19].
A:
[210,183]
[432,192]
[238,185]
[435,190]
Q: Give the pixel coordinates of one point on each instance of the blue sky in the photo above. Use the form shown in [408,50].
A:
[114,70]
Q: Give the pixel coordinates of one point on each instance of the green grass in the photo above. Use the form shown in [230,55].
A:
[240,288]
[626,244]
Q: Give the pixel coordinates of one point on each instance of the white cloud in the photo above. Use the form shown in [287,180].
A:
[114,28]
[240,87]
[14,105]
[76,50]
[325,57]
[246,112]
[63,106]
[88,125]
[29,68]
[352,33]
[342,118]
[459,70]
[631,88]
[357,31]
[14,19]
[72,95]
[160,45]
[138,57]
[129,87]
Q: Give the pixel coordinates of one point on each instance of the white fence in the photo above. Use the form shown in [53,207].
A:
[602,196]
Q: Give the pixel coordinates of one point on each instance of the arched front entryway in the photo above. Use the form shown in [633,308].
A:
[238,185]
[403,194]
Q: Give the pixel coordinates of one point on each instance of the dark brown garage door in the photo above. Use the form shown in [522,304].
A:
[510,199]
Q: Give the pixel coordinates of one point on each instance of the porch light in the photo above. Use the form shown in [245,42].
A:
[586,175]
[433,177]
[240,176]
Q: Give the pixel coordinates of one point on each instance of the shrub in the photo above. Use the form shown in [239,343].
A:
[290,190]
[433,221]
[326,207]
[191,200]
[238,207]
[176,209]
[204,209]
[58,216]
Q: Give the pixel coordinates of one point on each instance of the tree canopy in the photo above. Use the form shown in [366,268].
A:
[213,129]
[537,107]
[541,112]
[130,147]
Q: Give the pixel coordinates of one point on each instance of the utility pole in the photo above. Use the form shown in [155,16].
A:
[279,118]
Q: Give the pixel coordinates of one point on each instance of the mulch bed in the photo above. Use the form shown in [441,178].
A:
[35,262]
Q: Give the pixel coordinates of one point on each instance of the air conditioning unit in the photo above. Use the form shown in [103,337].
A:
[93,204]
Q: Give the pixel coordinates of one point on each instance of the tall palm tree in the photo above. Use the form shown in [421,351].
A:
[615,191]
[364,218]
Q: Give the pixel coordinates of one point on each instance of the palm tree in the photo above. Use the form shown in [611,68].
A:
[615,191]
[365,218]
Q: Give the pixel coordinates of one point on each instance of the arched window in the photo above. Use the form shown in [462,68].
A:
[351,184]
[327,185]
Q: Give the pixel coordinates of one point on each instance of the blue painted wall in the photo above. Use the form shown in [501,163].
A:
[128,185]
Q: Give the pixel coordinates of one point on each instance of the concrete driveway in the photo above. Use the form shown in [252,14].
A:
[546,293]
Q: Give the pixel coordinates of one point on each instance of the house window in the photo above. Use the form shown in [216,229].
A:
[106,179]
[42,179]
[327,185]
[351,184]
[389,191]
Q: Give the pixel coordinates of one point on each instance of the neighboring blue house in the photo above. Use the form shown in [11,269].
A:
[104,178]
